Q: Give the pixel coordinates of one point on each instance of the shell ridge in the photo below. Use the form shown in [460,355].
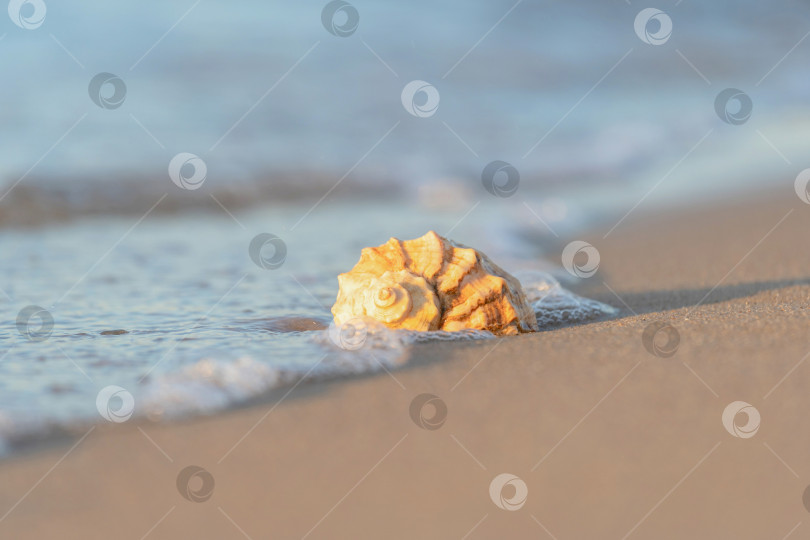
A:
[432,283]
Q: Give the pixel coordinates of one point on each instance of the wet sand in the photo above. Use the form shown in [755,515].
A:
[610,440]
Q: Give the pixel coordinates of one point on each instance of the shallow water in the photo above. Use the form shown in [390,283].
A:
[177,315]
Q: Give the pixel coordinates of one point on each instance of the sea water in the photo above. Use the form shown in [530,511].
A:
[173,317]
[566,92]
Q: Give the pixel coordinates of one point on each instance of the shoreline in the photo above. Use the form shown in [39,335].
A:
[594,424]
[46,203]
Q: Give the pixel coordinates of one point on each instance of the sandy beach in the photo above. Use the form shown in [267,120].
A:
[610,440]
[182,186]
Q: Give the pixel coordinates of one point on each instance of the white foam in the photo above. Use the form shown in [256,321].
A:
[206,386]
[554,305]
[216,382]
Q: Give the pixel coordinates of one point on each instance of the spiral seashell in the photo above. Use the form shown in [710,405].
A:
[432,283]
[388,301]
[398,299]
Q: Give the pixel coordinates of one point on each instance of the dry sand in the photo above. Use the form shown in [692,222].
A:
[610,440]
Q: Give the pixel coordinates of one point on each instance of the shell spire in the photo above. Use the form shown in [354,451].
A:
[432,283]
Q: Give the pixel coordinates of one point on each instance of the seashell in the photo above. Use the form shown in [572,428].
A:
[432,283]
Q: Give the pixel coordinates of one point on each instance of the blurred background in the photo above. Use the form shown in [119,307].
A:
[144,149]
[278,108]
